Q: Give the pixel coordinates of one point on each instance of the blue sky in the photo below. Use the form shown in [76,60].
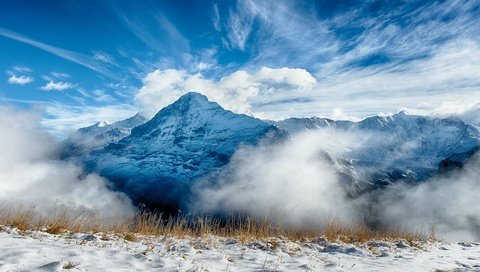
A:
[82,61]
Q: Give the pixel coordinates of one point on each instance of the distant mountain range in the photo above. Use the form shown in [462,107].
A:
[156,161]
[99,135]
[401,146]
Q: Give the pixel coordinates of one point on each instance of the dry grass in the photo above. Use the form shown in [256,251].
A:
[63,220]
[70,265]
[130,237]
[335,229]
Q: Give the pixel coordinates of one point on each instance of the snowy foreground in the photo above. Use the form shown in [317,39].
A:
[40,251]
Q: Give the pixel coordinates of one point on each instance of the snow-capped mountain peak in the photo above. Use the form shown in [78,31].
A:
[182,142]
[99,135]
[103,124]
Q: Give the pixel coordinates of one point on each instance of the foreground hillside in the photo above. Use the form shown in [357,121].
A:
[40,251]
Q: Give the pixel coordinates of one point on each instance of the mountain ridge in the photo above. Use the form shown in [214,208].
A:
[156,161]
[400,146]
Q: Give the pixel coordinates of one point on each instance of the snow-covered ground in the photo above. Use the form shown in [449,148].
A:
[40,251]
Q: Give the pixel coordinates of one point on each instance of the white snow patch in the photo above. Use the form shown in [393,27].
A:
[39,251]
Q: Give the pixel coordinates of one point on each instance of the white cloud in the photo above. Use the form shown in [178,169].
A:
[239,25]
[467,109]
[173,43]
[57,86]
[62,119]
[31,176]
[20,80]
[75,57]
[299,183]
[202,66]
[216,17]
[451,74]
[238,91]
[426,59]
[22,69]
[104,57]
[285,92]
[292,76]
[102,96]
[290,183]
[448,202]
[60,75]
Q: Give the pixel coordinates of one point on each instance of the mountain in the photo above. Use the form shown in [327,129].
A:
[399,146]
[86,139]
[156,162]
[297,125]
[472,115]
[183,142]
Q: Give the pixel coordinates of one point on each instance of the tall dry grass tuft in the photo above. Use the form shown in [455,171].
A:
[336,229]
[63,219]
[19,217]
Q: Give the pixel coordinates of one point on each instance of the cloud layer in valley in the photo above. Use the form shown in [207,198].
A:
[30,174]
[293,183]
[448,203]
[299,184]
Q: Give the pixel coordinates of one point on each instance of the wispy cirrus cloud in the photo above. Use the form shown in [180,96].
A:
[60,75]
[22,69]
[239,25]
[164,37]
[366,58]
[216,17]
[79,58]
[294,34]
[102,96]
[104,57]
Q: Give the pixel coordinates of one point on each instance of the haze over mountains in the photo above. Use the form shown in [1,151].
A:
[157,162]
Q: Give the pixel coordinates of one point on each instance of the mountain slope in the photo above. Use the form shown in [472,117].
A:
[399,146]
[96,136]
[184,141]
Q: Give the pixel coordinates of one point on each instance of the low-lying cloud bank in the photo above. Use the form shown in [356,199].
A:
[447,203]
[293,183]
[299,184]
[31,176]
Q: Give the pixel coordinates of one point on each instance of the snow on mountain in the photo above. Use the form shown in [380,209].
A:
[399,146]
[102,124]
[297,125]
[99,135]
[183,141]
[156,161]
